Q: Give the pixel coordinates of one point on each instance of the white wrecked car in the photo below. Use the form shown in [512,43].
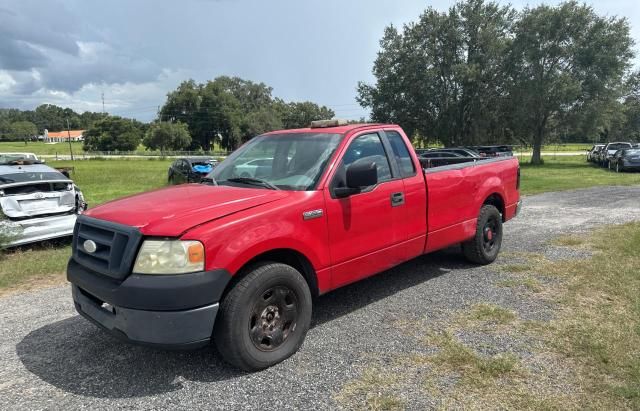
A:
[37,202]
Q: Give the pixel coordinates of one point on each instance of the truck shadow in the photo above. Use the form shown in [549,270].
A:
[76,357]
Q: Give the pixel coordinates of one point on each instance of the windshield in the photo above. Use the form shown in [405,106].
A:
[292,161]
[8,158]
[31,176]
[618,146]
[633,152]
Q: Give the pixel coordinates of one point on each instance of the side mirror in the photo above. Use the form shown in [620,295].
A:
[359,175]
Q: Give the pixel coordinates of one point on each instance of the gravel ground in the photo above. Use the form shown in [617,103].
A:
[52,358]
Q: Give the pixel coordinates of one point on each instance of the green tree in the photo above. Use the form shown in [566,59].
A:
[258,122]
[564,58]
[299,115]
[113,134]
[442,76]
[23,130]
[5,128]
[167,136]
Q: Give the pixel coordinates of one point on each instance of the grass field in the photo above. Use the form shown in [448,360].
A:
[571,172]
[586,357]
[40,148]
[62,148]
[565,147]
[104,180]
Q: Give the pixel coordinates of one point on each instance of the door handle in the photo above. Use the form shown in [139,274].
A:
[397,199]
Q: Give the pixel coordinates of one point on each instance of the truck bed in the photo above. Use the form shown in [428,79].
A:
[455,191]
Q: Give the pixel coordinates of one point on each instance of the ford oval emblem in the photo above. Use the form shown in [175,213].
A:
[90,246]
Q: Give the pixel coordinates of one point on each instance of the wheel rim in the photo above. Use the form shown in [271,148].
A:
[489,235]
[273,318]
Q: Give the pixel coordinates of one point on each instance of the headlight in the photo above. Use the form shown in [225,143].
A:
[169,257]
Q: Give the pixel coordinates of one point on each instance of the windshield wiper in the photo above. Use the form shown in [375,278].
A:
[253,181]
[209,180]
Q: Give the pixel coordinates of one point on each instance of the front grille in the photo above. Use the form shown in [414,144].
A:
[116,246]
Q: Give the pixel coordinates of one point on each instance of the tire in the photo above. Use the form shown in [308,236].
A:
[484,247]
[263,320]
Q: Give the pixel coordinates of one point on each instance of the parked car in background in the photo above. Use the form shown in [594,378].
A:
[625,160]
[609,150]
[190,169]
[254,168]
[37,202]
[20,156]
[493,151]
[463,151]
[437,153]
[591,154]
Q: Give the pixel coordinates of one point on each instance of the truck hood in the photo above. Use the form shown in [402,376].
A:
[172,211]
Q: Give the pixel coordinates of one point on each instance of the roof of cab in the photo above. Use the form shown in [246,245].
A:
[332,130]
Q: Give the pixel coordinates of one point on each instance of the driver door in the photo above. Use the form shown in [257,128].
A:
[365,229]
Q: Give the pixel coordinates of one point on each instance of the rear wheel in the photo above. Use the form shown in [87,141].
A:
[264,318]
[484,247]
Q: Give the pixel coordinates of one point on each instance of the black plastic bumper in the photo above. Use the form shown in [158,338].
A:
[169,311]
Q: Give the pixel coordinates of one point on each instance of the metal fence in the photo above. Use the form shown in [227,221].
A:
[62,155]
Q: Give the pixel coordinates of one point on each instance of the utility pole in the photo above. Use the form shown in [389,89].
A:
[103,102]
[69,134]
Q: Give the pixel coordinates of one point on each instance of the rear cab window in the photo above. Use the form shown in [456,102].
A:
[401,154]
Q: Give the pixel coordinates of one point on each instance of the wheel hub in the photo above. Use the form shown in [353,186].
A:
[270,317]
[273,318]
[489,235]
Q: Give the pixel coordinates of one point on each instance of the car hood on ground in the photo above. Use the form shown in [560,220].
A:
[172,211]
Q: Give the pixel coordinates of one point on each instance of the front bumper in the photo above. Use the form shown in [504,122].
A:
[168,311]
[187,329]
[38,229]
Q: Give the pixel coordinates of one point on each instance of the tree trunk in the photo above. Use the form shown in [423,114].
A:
[536,157]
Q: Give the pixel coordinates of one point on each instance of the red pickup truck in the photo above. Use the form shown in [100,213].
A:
[238,258]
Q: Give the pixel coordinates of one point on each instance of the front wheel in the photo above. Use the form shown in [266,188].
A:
[484,247]
[265,317]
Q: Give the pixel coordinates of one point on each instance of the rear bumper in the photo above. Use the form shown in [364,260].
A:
[513,210]
[39,229]
[186,329]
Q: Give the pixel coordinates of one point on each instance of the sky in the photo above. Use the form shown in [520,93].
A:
[72,52]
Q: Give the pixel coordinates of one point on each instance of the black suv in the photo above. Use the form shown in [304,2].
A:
[190,170]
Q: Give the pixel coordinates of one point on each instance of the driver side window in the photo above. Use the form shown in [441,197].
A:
[367,147]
